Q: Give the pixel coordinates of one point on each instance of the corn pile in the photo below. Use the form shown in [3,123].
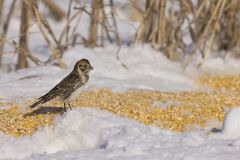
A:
[173,110]
[229,83]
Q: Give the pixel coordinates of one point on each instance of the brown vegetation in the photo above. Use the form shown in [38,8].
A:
[211,26]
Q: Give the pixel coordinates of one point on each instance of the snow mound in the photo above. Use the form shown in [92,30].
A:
[231,124]
[78,129]
[82,130]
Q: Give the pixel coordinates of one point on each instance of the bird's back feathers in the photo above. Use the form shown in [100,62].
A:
[63,89]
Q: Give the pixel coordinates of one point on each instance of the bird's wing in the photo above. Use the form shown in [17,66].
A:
[75,84]
[68,84]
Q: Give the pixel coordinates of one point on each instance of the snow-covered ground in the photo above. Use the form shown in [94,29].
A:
[89,133]
[94,134]
[162,74]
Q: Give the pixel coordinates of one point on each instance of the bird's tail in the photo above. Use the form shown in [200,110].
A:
[37,103]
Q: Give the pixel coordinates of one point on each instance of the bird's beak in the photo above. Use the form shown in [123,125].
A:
[91,68]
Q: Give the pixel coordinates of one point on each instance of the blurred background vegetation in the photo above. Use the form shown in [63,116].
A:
[175,28]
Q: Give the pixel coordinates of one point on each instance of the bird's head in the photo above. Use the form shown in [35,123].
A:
[84,66]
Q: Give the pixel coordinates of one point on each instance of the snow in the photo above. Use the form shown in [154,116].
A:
[90,133]
[221,65]
[108,72]
[231,127]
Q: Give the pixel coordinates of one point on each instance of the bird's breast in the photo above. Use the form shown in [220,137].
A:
[75,94]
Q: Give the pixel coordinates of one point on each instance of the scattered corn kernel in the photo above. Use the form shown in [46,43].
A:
[173,110]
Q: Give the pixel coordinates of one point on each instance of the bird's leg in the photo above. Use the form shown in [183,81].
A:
[65,108]
[70,106]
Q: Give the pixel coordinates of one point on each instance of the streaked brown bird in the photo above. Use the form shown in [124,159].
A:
[70,87]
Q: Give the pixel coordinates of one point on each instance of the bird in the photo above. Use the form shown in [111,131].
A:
[70,87]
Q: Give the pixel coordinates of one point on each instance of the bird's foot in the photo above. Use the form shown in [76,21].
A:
[70,106]
[64,108]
